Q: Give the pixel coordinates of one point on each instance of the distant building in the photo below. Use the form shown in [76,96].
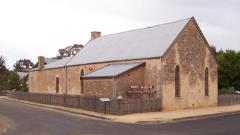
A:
[172,61]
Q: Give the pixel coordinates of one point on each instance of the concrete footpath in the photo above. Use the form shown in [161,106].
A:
[151,117]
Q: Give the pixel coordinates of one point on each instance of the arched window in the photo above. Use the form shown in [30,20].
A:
[57,85]
[177,81]
[81,81]
[206,82]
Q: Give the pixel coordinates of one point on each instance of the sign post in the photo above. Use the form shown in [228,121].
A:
[105,100]
[120,99]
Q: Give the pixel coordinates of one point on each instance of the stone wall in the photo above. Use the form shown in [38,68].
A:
[74,72]
[114,87]
[192,54]
[149,76]
[98,87]
[134,77]
[44,81]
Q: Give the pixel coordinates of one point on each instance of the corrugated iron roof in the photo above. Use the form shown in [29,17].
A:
[135,44]
[59,63]
[50,60]
[147,42]
[112,70]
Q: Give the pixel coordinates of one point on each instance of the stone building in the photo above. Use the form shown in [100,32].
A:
[172,61]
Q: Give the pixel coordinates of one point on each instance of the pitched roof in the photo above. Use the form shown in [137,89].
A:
[112,70]
[50,60]
[141,43]
[135,44]
[59,63]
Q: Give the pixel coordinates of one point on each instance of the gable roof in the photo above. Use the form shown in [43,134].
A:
[112,70]
[150,42]
[142,43]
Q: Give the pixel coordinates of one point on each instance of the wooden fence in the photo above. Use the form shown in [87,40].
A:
[228,100]
[3,93]
[91,103]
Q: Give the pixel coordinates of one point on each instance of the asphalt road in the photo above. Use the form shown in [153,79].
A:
[29,120]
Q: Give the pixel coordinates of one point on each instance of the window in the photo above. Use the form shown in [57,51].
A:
[57,84]
[206,82]
[81,81]
[177,81]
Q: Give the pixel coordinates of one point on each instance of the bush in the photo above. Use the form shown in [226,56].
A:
[227,91]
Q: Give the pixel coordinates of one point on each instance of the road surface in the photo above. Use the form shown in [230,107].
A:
[25,119]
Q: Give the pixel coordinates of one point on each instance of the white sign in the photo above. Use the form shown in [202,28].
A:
[105,99]
[120,98]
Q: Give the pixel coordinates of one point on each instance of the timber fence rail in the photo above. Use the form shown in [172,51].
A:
[91,103]
[228,100]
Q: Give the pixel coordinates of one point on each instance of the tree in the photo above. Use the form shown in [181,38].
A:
[69,51]
[4,72]
[228,69]
[23,65]
[4,81]
[13,81]
[2,64]
[8,79]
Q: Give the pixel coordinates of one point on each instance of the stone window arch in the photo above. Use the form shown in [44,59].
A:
[177,81]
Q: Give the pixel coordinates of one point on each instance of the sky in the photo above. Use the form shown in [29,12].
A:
[32,28]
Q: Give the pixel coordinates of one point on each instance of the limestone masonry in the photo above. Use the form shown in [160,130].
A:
[172,61]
